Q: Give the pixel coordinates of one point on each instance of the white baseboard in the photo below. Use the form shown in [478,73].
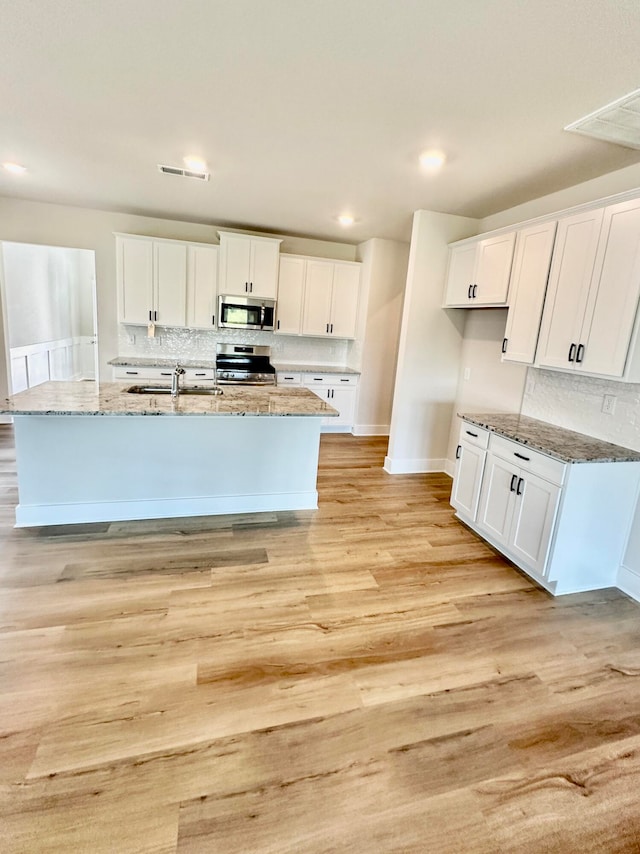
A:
[371,429]
[31,515]
[450,467]
[409,466]
[629,582]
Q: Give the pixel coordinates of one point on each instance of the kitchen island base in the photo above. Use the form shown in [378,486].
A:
[75,469]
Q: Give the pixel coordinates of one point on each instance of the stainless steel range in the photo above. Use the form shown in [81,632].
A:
[244,364]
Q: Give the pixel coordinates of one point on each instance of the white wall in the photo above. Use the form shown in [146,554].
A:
[384,274]
[429,349]
[63,225]
[485,384]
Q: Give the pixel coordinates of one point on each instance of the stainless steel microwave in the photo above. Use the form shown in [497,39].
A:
[246,313]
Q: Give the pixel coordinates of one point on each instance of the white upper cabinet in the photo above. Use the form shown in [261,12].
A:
[134,259]
[529,277]
[571,268]
[170,283]
[613,295]
[290,295]
[478,273]
[589,318]
[202,286]
[248,265]
[318,297]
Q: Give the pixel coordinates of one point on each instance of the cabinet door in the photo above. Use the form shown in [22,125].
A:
[202,286]
[263,271]
[493,269]
[290,295]
[235,262]
[344,400]
[528,286]
[571,270]
[344,300]
[135,274]
[533,519]
[497,497]
[613,297]
[317,298]
[170,283]
[462,262]
[467,480]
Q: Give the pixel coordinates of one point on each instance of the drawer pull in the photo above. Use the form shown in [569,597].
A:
[165,373]
[520,483]
[318,379]
[201,374]
[458,449]
[522,457]
[134,373]
[514,478]
[287,378]
[344,381]
[469,433]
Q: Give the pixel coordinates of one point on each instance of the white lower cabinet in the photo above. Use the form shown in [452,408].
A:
[133,373]
[470,457]
[338,390]
[564,524]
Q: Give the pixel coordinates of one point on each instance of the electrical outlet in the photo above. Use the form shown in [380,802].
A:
[531,383]
[467,373]
[131,336]
[609,404]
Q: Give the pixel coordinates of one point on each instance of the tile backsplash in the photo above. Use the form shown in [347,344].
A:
[575,402]
[174,343]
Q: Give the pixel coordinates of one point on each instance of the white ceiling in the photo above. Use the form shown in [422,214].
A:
[306,108]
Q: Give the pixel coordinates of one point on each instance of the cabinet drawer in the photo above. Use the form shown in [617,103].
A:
[132,372]
[196,375]
[329,379]
[289,378]
[473,435]
[527,459]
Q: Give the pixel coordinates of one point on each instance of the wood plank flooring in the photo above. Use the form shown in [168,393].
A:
[370,677]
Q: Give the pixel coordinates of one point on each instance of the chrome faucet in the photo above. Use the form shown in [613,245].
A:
[175,380]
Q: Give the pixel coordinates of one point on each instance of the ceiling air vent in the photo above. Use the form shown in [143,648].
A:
[617,122]
[183,173]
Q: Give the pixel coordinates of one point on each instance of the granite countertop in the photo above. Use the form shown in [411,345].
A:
[147,362]
[313,369]
[87,398]
[556,442]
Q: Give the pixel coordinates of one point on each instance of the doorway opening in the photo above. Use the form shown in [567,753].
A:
[49,310]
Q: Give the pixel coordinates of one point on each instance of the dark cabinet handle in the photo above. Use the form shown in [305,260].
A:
[201,374]
[344,381]
[278,325]
[155,315]
[331,328]
[134,373]
[458,449]
[504,345]
[469,292]
[514,478]
[572,353]
[520,483]
[473,292]
[150,315]
[165,373]
[469,433]
[580,353]
[213,320]
[327,327]
[318,379]
[522,457]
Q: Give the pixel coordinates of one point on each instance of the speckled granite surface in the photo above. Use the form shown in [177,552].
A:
[145,362]
[86,398]
[313,369]
[554,441]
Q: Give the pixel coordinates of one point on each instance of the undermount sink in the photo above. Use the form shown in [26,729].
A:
[166,389]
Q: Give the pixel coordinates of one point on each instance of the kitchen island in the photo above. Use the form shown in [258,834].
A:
[89,453]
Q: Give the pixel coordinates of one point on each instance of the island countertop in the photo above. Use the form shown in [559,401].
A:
[565,445]
[88,398]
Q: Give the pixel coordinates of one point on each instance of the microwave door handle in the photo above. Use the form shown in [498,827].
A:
[262,316]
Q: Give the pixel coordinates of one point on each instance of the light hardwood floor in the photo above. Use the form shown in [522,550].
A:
[369,677]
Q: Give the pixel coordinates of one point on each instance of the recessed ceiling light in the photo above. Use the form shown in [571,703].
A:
[14,168]
[195,164]
[345,219]
[431,161]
